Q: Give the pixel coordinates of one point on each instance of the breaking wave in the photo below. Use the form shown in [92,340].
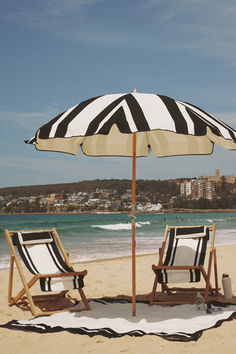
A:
[121,226]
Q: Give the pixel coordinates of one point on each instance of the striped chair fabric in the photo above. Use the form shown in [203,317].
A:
[41,255]
[186,247]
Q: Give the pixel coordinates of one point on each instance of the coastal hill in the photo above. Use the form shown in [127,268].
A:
[171,186]
[92,195]
[112,195]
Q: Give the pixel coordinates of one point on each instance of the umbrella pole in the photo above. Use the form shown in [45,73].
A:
[133,227]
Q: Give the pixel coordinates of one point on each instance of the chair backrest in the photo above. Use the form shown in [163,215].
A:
[39,252]
[187,246]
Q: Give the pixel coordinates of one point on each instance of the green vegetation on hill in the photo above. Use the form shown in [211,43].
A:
[121,185]
[109,195]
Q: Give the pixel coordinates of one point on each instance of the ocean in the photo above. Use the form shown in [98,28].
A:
[99,236]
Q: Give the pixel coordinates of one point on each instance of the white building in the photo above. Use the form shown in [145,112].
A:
[185,188]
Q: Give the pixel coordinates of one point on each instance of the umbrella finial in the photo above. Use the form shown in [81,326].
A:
[135,90]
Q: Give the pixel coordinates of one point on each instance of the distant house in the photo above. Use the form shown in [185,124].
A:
[3,202]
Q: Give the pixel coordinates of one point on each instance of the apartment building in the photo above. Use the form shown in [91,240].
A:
[186,188]
[202,187]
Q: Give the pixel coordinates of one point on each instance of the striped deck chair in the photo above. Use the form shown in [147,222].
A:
[45,257]
[185,252]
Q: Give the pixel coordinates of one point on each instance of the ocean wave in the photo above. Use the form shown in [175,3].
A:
[113,227]
[120,226]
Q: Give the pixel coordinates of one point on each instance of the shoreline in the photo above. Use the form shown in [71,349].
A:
[100,260]
[122,258]
[162,211]
[118,248]
[138,256]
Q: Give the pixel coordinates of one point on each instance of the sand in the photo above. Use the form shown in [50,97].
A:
[112,278]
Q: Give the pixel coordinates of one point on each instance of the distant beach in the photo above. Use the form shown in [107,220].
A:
[161,211]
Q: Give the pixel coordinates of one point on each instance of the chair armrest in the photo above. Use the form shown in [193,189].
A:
[58,275]
[176,267]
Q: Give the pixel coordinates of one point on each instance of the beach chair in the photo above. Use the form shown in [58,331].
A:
[185,250]
[45,257]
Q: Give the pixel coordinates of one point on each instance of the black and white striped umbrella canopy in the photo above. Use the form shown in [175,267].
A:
[103,126]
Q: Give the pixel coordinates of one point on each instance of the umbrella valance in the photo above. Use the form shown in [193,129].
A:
[104,125]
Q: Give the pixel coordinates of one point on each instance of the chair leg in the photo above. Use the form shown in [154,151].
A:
[10,279]
[208,284]
[84,299]
[13,300]
[216,271]
[153,291]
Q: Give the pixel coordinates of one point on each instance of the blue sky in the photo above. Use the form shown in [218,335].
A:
[56,53]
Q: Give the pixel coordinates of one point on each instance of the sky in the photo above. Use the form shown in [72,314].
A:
[57,53]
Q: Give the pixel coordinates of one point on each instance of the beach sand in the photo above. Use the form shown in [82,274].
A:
[112,278]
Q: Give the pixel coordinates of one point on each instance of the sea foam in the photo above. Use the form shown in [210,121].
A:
[120,226]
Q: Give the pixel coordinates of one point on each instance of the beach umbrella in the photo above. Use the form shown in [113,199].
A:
[134,124]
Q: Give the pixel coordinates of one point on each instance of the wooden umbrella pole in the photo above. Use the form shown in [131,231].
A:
[133,227]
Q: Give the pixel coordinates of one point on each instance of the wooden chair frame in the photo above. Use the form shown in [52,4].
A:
[13,300]
[208,290]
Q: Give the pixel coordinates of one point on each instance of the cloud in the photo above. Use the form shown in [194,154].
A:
[47,8]
[204,27]
[59,8]
[77,21]
[27,120]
